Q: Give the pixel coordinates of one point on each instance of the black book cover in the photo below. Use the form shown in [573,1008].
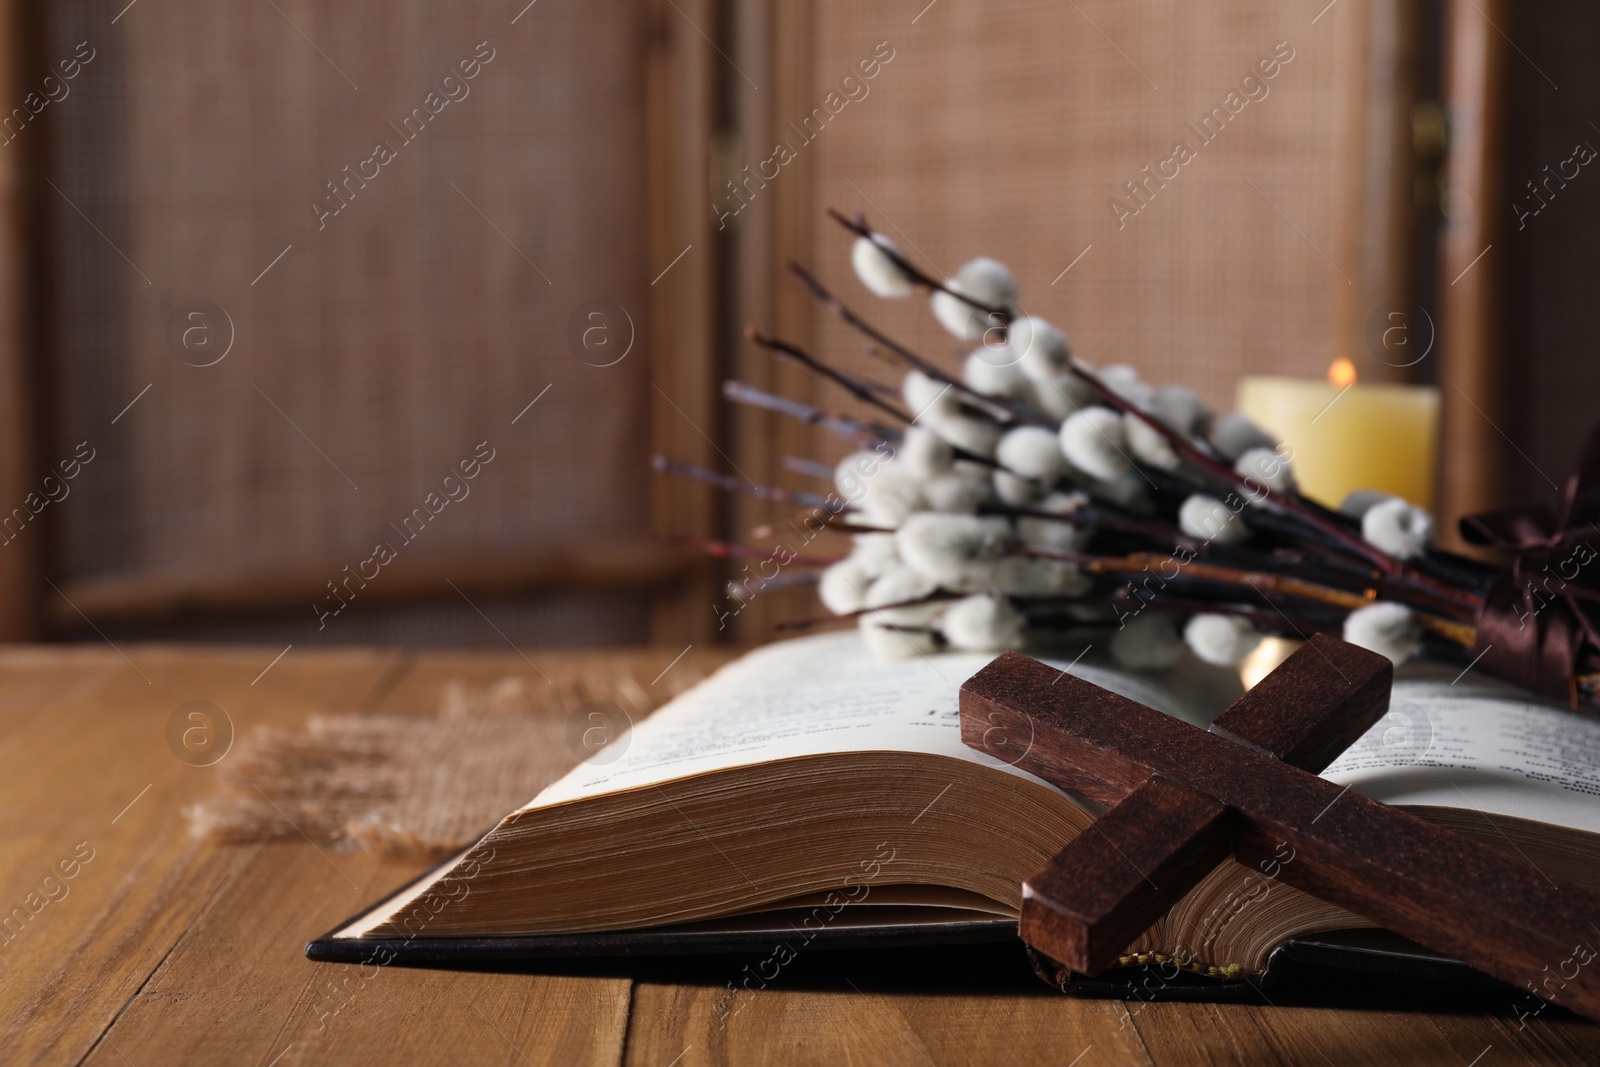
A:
[1318,968]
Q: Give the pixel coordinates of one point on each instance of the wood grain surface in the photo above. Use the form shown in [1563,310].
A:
[164,951]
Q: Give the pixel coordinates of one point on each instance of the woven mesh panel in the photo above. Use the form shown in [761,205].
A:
[1008,129]
[390,338]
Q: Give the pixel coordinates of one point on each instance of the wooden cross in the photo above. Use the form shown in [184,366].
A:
[1184,799]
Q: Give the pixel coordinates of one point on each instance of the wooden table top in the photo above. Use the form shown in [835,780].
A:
[162,950]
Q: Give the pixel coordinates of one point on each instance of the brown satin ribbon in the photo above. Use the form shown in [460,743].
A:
[1541,615]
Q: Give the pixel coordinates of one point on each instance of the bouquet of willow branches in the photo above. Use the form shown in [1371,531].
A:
[1021,495]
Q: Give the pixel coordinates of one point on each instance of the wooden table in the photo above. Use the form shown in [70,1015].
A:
[168,951]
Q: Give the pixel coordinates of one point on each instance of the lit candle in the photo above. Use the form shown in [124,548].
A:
[1347,436]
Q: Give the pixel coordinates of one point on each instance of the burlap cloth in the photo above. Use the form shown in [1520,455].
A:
[417,784]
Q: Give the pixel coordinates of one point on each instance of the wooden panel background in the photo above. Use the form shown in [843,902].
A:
[686,362]
[381,348]
[20,293]
[1472,398]
[1551,376]
[1519,375]
[1007,130]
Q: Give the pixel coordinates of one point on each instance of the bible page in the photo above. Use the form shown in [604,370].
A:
[812,695]
[1465,740]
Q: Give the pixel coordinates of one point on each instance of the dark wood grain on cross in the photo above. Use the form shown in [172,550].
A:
[1184,799]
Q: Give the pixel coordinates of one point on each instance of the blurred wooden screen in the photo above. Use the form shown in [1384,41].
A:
[1014,130]
[390,310]
[394,227]
[1518,249]
[1548,219]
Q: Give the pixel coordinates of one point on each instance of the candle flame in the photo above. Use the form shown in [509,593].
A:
[1342,372]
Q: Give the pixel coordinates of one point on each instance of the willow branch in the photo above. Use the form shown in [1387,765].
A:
[1262,581]
[857,431]
[859,227]
[1206,461]
[1021,412]
[1296,622]
[734,485]
[856,387]
[936,597]
[1291,503]
[810,468]
[728,550]
[833,525]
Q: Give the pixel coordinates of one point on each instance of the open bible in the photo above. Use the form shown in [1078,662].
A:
[810,794]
